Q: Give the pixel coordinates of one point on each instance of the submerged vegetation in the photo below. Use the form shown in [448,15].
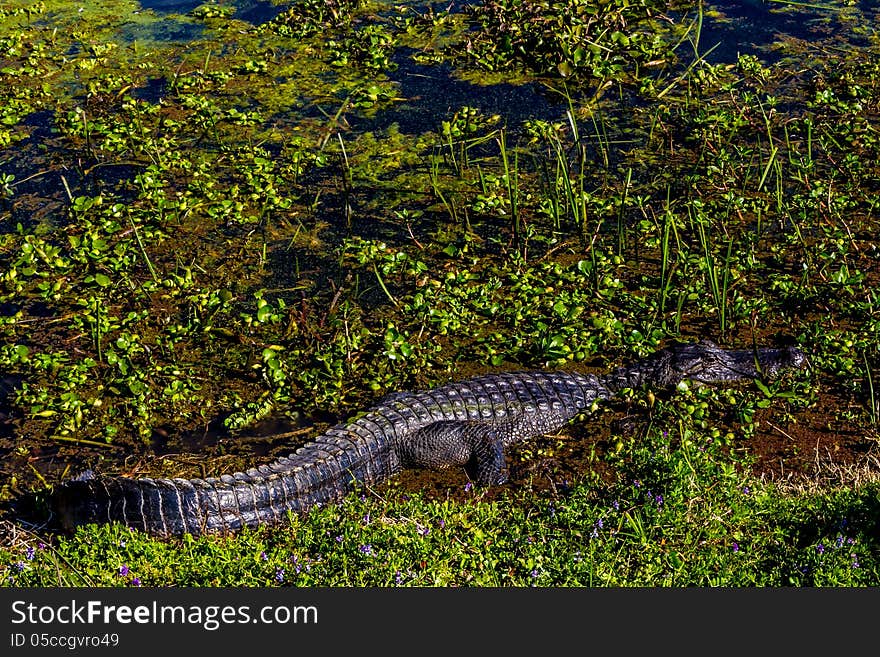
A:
[209,226]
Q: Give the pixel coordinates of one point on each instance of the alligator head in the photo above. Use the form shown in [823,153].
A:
[705,362]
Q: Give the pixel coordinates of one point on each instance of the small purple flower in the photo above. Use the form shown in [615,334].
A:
[18,566]
[534,573]
[839,541]
[279,575]
[820,549]
[735,546]
[135,581]
[424,531]
[467,487]
[441,524]
[398,578]
[746,490]
[264,556]
[855,561]
[616,505]
[41,545]
[297,568]
[599,523]
[123,570]
[339,539]
[29,553]
[367,519]
[366,549]
[659,500]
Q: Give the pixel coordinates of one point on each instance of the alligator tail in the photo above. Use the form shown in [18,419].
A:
[172,507]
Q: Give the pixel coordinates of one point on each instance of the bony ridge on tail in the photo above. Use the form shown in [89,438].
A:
[467,423]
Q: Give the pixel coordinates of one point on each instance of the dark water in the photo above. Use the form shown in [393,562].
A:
[253,11]
[169,29]
[754,27]
[433,93]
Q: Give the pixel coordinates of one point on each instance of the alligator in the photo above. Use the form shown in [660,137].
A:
[467,423]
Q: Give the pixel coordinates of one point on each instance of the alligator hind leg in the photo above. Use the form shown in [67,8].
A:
[476,446]
[487,465]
